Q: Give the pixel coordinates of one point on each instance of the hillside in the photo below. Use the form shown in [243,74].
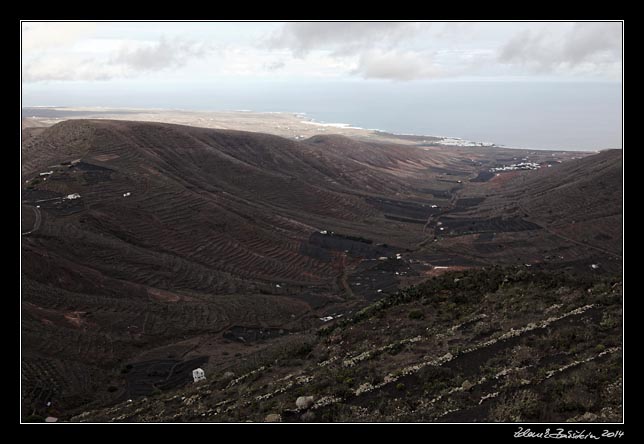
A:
[567,215]
[497,345]
[149,248]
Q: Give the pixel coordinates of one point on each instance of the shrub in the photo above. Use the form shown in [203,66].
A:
[343,392]
[608,322]
[396,348]
[416,314]
[518,407]
[34,418]
[301,350]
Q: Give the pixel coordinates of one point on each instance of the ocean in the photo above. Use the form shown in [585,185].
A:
[518,114]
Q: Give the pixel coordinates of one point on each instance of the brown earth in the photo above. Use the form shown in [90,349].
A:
[227,234]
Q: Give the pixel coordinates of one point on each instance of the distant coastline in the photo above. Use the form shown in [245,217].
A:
[297,125]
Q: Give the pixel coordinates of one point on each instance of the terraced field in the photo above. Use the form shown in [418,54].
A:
[148,242]
[565,216]
[477,346]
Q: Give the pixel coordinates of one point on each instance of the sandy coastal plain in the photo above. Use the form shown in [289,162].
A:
[296,126]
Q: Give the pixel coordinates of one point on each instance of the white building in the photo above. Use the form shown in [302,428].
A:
[198,375]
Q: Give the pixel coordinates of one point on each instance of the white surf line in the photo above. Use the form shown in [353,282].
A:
[332,125]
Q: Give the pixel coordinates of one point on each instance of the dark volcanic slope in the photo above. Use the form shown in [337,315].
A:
[492,345]
[213,206]
[580,200]
[137,236]
[148,248]
[565,215]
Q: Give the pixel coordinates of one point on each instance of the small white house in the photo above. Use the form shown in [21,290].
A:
[198,375]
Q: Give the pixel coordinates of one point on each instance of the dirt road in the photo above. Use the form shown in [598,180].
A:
[37,221]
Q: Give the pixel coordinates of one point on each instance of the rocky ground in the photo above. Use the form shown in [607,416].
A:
[499,344]
[151,248]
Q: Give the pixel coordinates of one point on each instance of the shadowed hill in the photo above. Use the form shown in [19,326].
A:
[141,235]
[581,200]
[565,215]
[491,345]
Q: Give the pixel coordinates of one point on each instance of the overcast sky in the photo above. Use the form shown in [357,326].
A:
[244,52]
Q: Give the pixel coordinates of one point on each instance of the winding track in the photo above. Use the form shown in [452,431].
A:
[566,238]
[37,222]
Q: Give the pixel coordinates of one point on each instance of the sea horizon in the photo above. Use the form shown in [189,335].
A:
[582,116]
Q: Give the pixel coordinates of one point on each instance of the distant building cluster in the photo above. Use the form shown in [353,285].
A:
[456,141]
[517,166]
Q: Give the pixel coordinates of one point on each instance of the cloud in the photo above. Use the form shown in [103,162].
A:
[130,59]
[585,47]
[399,51]
[159,55]
[342,38]
[396,65]
[372,50]
[68,68]
[42,35]
[589,40]
[274,66]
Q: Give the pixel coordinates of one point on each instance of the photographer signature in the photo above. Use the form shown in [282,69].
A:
[567,434]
